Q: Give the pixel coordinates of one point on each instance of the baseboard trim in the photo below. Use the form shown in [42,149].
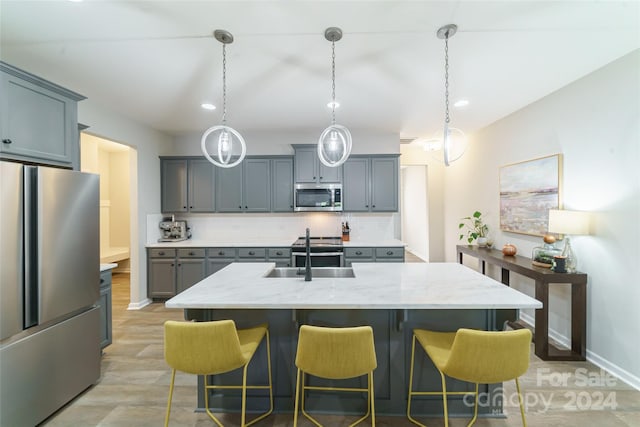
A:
[139,305]
[615,370]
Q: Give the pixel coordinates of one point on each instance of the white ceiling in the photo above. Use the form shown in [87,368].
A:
[156,61]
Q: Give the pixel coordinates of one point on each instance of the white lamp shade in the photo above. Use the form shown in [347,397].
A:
[568,222]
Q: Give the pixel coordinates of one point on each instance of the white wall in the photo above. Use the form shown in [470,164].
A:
[145,184]
[594,122]
[415,215]
[279,143]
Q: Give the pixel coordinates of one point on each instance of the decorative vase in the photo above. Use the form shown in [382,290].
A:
[482,242]
[542,256]
[509,249]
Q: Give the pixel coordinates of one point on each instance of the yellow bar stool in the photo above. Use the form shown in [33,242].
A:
[335,353]
[211,348]
[480,357]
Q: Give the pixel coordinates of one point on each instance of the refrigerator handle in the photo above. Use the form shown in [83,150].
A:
[30,247]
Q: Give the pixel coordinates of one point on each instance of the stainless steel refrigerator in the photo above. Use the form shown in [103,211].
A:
[49,287]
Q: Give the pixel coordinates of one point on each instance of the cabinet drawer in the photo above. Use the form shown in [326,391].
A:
[389,252]
[191,253]
[279,252]
[358,252]
[257,253]
[221,252]
[162,253]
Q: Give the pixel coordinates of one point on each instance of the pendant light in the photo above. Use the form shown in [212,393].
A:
[226,137]
[454,141]
[334,145]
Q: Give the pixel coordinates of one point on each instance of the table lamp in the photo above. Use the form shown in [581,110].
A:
[568,223]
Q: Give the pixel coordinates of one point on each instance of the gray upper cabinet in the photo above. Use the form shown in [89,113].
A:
[355,185]
[256,191]
[282,185]
[38,120]
[309,169]
[173,185]
[244,188]
[370,184]
[187,185]
[384,184]
[229,189]
[201,183]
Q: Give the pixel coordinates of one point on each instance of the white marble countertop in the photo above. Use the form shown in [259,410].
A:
[109,266]
[267,242]
[375,286]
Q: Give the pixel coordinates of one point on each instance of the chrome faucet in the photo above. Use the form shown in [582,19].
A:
[307,262]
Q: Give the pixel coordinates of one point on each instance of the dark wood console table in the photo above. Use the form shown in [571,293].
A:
[542,277]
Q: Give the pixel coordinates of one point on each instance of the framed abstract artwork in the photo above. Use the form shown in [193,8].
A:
[527,191]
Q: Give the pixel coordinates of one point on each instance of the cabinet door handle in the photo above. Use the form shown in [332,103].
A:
[191,253]
[221,253]
[161,253]
[389,252]
[101,281]
[373,206]
[6,141]
[321,177]
[366,206]
[184,207]
[245,207]
[252,253]
[190,207]
[314,177]
[239,207]
[279,253]
[358,253]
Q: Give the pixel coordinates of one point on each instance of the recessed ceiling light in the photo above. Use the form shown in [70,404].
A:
[461,103]
[333,104]
[208,106]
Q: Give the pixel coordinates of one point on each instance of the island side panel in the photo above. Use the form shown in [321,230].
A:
[392,335]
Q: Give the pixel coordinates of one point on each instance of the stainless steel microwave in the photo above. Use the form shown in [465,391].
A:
[318,197]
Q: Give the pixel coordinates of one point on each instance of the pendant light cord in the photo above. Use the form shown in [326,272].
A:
[224,84]
[333,82]
[446,78]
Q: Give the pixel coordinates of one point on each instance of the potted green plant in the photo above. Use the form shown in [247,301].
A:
[476,229]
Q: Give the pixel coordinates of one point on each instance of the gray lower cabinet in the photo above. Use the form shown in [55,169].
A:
[191,268]
[105,306]
[371,254]
[38,120]
[161,273]
[370,184]
[282,185]
[281,256]
[171,271]
[219,258]
[309,169]
[187,185]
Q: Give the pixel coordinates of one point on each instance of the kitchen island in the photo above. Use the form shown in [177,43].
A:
[392,298]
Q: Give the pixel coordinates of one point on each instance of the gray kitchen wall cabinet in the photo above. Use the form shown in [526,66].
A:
[201,175]
[187,185]
[309,169]
[173,185]
[355,185]
[244,188]
[370,184]
[282,185]
[38,120]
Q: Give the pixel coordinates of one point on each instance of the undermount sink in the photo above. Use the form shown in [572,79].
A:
[316,272]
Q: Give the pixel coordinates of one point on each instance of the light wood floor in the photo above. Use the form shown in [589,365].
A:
[133,387]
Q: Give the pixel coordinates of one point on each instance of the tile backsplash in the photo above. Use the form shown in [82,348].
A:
[230,227]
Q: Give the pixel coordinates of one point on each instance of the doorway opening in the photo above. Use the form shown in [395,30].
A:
[113,162]
[415,210]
